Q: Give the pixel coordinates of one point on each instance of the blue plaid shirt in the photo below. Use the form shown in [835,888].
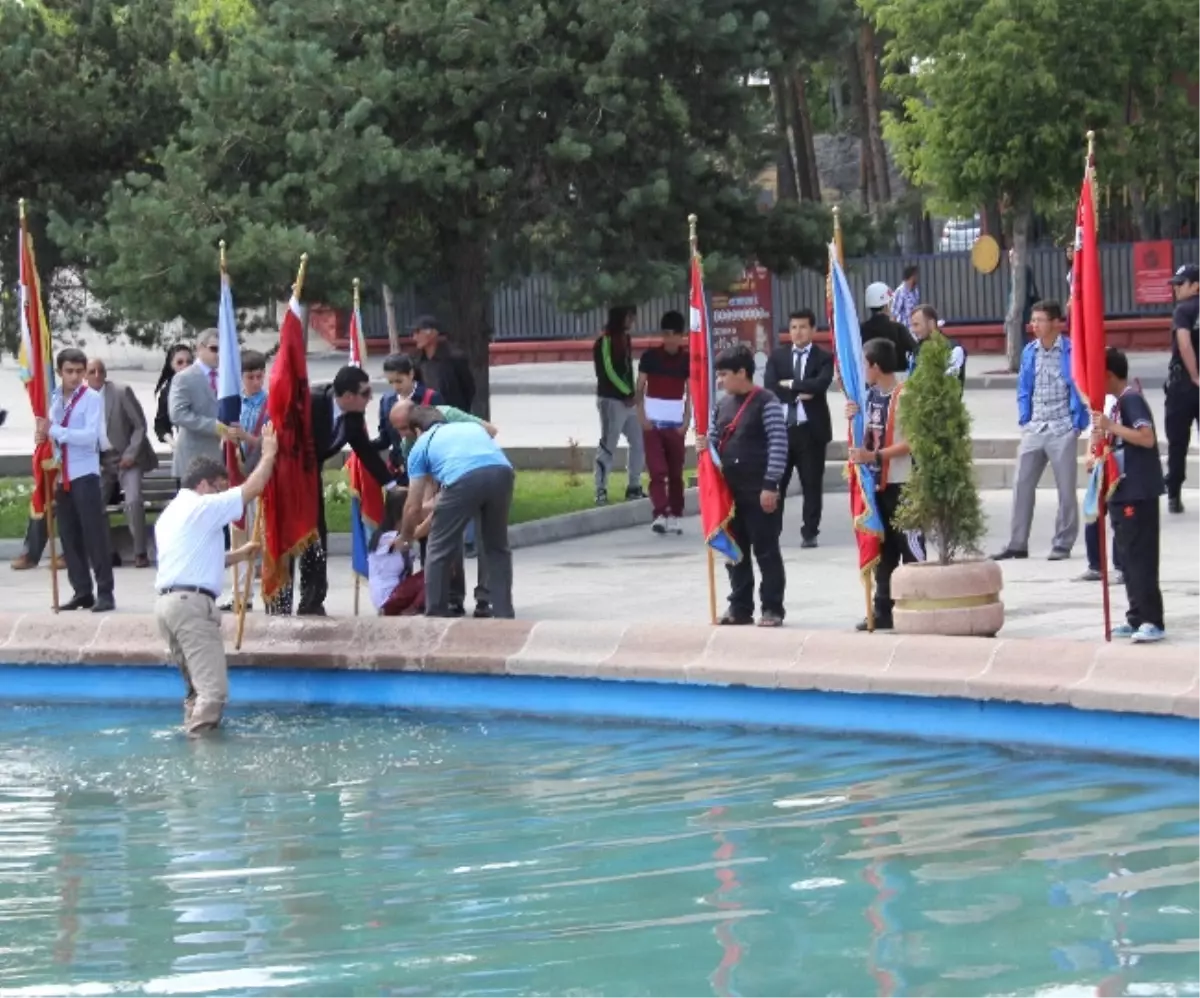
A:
[252,407]
[904,303]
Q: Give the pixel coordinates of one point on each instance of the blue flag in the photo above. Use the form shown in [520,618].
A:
[360,536]
[847,343]
[229,364]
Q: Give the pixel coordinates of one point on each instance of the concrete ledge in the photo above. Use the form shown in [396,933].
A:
[1117,678]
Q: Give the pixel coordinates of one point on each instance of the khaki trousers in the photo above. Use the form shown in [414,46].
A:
[191,625]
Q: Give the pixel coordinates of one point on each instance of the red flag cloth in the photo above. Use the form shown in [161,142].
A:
[37,369]
[368,491]
[716,502]
[1087,303]
[290,502]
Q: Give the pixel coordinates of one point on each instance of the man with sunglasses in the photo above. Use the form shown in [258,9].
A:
[192,404]
[338,419]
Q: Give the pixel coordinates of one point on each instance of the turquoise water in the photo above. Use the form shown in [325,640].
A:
[337,853]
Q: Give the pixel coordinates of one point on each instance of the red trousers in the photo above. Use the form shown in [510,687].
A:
[664,460]
[407,599]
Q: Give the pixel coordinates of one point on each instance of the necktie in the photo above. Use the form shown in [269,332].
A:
[338,440]
[212,380]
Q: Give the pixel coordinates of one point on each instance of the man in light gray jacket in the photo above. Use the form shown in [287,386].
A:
[193,408]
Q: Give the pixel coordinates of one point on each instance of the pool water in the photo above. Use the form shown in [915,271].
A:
[333,852]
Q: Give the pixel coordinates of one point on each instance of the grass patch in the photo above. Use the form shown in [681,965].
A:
[538,495]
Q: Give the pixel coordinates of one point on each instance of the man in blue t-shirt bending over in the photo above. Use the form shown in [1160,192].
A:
[476,481]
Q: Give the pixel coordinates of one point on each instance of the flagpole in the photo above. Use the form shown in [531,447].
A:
[354,345]
[1102,506]
[48,467]
[867,576]
[693,246]
[237,579]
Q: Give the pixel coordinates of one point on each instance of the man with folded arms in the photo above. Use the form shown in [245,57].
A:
[190,538]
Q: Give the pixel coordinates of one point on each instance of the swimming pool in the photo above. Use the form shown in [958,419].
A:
[333,851]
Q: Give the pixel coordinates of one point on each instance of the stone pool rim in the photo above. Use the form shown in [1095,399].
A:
[1074,695]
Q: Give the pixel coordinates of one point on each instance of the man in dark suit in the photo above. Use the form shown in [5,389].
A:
[800,375]
[442,367]
[338,418]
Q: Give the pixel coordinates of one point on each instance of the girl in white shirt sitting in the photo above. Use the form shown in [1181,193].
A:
[396,589]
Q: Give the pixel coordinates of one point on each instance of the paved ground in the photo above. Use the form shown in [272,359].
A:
[525,420]
[633,575]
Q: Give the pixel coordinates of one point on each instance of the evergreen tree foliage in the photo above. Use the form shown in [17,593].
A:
[940,498]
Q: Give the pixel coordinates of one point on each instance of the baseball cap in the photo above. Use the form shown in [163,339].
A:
[426,322]
[1188,273]
[877,295]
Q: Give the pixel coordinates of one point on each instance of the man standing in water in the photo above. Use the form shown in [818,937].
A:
[190,538]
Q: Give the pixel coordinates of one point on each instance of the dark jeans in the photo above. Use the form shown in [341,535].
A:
[806,454]
[83,527]
[898,546]
[1182,412]
[36,539]
[1091,540]
[664,459]
[756,533]
[314,580]
[1135,525]
[484,495]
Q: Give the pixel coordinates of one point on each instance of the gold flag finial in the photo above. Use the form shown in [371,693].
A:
[221,252]
[21,209]
[357,287]
[693,239]
[298,287]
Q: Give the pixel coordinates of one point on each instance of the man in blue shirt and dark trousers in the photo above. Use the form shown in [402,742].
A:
[476,481]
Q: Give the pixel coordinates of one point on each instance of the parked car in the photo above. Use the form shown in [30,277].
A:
[959,234]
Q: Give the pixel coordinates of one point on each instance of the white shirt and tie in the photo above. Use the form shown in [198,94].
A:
[794,411]
[80,442]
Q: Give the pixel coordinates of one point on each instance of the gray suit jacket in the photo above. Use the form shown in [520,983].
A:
[125,424]
[193,409]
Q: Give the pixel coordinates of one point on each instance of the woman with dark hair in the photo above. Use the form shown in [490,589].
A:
[616,401]
[179,356]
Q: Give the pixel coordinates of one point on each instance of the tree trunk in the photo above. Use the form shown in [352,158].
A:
[469,309]
[786,188]
[870,193]
[874,104]
[389,313]
[806,151]
[1014,322]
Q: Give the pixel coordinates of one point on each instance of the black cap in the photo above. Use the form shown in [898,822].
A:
[426,322]
[1188,273]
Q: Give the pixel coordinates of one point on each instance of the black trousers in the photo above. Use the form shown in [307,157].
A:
[757,535]
[314,579]
[1182,412]
[806,454]
[898,546]
[1091,540]
[83,527]
[36,539]
[1135,525]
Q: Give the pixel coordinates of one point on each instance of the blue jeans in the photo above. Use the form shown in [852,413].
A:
[1091,540]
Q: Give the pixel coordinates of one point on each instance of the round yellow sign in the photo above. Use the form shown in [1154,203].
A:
[985,254]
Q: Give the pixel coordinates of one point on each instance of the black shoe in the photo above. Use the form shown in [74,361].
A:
[1009,553]
[104,604]
[635,492]
[1058,554]
[79,603]
[483,611]
[601,497]
[881,624]
[456,610]
[731,619]
[1174,505]
[808,542]
[312,611]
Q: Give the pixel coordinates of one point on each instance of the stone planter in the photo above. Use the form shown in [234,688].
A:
[962,598]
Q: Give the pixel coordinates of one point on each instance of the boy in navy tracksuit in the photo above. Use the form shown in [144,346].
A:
[1133,505]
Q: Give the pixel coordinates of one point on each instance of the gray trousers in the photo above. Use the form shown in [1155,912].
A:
[130,479]
[484,495]
[83,527]
[1062,452]
[619,420]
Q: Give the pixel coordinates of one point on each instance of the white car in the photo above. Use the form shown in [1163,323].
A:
[959,234]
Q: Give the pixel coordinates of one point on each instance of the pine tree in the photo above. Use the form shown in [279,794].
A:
[940,498]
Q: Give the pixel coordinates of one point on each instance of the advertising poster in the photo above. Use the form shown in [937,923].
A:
[1153,264]
[744,315]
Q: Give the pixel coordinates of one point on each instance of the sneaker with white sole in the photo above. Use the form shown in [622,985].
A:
[659,526]
[1148,634]
[673,525]
[1123,631]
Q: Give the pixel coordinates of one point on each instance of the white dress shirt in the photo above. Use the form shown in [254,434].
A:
[386,569]
[190,538]
[85,437]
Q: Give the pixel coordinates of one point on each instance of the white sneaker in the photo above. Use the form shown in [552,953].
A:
[659,526]
[673,526]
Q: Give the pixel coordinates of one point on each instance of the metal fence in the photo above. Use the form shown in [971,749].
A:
[527,311]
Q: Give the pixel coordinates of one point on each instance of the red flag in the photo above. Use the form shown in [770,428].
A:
[37,366]
[716,502]
[368,491]
[290,502]
[1087,302]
